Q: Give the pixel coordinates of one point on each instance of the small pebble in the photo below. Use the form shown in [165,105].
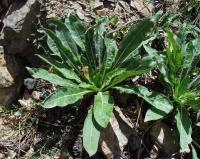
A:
[29,83]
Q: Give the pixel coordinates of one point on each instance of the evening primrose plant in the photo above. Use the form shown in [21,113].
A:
[87,61]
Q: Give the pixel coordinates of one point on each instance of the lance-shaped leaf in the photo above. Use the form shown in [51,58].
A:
[191,54]
[99,37]
[133,40]
[76,29]
[91,134]
[64,35]
[194,153]
[57,42]
[125,75]
[157,100]
[184,127]
[53,47]
[63,69]
[111,75]
[64,96]
[161,61]
[154,114]
[64,51]
[109,57]
[196,51]
[50,77]
[103,107]
[90,48]
[174,52]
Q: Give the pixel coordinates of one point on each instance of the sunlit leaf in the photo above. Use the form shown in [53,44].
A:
[50,77]
[64,96]
[103,107]
[184,128]
[91,135]
[157,100]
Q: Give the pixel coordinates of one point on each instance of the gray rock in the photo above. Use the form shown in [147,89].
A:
[29,83]
[11,75]
[18,25]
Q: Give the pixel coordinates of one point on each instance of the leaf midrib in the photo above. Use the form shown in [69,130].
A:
[65,96]
[102,105]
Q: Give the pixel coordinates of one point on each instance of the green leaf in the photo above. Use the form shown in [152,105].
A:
[174,51]
[146,63]
[97,79]
[53,47]
[90,48]
[91,135]
[125,75]
[109,57]
[133,61]
[184,127]
[194,153]
[64,35]
[64,52]
[103,107]
[76,29]
[182,85]
[196,51]
[154,114]
[161,61]
[99,37]
[88,86]
[157,100]
[191,58]
[111,75]
[63,69]
[133,40]
[55,40]
[50,77]
[65,96]
[190,98]
[174,55]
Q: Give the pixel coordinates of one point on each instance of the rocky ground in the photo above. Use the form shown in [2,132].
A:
[26,130]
